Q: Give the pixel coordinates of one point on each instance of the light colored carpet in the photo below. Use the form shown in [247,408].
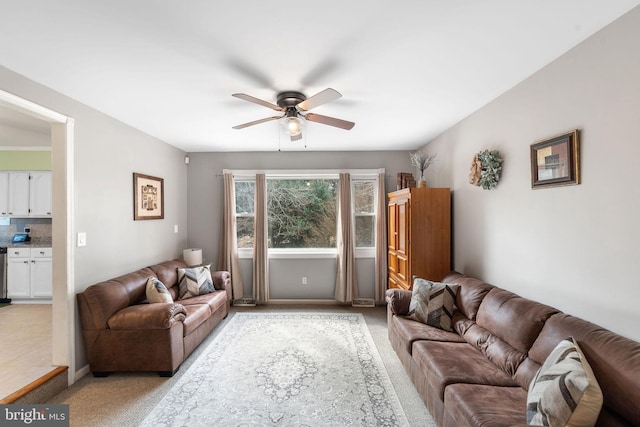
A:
[285,369]
[125,399]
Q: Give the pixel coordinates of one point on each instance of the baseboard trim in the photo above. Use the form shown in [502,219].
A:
[304,301]
[363,302]
[82,372]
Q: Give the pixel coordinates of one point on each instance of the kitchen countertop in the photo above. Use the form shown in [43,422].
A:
[36,242]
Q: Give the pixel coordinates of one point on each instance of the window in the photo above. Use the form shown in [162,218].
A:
[245,195]
[363,194]
[301,213]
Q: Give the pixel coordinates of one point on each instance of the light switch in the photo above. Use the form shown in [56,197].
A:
[82,239]
[175,228]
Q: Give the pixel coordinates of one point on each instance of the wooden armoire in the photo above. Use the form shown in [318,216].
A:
[419,235]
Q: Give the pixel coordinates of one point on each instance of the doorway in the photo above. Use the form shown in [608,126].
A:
[62,308]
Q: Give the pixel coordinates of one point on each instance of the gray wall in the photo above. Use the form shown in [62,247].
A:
[575,248]
[205,199]
[106,154]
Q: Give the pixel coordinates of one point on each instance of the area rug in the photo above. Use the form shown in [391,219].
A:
[285,369]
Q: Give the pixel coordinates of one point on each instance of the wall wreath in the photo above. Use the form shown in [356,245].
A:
[486,169]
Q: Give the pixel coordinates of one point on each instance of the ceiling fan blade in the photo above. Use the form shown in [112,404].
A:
[257,101]
[256,122]
[331,121]
[297,137]
[318,99]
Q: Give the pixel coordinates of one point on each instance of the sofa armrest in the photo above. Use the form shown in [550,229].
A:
[222,281]
[147,316]
[398,301]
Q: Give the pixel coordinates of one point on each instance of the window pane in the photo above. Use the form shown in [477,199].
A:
[244,226]
[302,213]
[245,191]
[363,197]
[365,235]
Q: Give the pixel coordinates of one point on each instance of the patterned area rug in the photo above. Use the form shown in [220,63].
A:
[285,369]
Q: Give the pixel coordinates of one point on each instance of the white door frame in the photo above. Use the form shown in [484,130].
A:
[63,302]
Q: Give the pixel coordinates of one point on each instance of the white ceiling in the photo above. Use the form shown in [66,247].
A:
[407,70]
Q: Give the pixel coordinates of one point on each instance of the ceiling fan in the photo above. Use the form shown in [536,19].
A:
[294,104]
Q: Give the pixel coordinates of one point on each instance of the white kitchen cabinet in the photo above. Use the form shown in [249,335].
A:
[25,194]
[29,273]
[41,273]
[18,272]
[19,194]
[40,194]
[4,193]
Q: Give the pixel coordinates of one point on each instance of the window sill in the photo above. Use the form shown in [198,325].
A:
[306,253]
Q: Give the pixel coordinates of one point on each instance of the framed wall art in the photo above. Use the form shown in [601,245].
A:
[148,197]
[556,161]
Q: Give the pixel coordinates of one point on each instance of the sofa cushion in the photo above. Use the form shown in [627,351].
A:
[196,315]
[498,351]
[445,363]
[215,300]
[469,405]
[470,294]
[432,303]
[564,392]
[514,319]
[411,331]
[167,271]
[195,281]
[157,292]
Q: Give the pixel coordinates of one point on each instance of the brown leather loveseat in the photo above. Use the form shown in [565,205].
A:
[123,332]
[479,374]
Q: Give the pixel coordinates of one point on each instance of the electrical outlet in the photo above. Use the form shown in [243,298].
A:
[304,280]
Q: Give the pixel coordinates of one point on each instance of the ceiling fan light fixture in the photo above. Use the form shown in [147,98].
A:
[294,126]
[292,123]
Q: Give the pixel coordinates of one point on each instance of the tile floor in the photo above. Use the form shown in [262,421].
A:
[25,345]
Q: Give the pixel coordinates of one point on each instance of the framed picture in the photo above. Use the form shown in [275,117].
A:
[148,197]
[556,161]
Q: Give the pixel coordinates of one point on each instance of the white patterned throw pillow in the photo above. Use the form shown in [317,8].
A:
[195,281]
[157,292]
[564,392]
[432,303]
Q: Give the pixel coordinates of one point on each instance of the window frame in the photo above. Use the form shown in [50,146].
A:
[365,251]
[244,252]
[311,253]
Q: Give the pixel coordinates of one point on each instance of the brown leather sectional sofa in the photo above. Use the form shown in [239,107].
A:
[479,374]
[122,332]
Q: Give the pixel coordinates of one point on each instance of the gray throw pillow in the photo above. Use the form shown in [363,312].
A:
[432,303]
[195,281]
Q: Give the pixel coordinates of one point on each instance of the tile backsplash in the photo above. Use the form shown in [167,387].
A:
[40,227]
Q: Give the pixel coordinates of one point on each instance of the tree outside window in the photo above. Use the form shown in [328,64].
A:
[302,212]
[245,195]
[364,210]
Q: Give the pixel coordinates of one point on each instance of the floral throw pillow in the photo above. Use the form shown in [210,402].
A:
[195,281]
